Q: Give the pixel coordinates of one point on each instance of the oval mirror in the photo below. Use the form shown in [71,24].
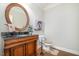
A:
[17,15]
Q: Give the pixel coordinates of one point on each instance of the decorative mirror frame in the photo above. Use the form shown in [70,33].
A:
[8,18]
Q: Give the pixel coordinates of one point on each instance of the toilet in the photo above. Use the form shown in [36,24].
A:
[45,44]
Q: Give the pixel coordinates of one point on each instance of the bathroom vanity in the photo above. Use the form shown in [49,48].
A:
[21,46]
[16,41]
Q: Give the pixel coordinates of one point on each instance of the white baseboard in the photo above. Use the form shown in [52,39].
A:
[67,50]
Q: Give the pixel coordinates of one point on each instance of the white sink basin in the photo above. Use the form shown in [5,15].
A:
[21,35]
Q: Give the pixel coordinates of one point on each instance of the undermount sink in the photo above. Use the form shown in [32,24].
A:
[21,35]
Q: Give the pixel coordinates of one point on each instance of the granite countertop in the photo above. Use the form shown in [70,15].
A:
[14,35]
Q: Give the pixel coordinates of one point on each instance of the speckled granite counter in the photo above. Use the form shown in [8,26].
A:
[14,35]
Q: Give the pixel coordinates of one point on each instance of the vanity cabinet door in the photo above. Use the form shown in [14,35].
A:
[7,52]
[18,51]
[31,47]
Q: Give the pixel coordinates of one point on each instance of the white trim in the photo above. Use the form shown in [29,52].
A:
[67,50]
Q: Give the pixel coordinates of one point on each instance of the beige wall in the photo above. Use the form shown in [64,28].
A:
[62,25]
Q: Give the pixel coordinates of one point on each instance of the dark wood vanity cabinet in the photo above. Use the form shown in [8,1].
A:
[24,46]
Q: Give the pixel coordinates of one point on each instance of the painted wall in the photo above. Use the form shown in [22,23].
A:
[35,13]
[62,25]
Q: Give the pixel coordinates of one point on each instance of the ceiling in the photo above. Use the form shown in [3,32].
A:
[45,5]
[42,5]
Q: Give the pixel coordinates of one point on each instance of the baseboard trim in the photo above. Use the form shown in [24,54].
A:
[67,50]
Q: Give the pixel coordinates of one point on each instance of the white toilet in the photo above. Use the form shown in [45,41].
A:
[46,45]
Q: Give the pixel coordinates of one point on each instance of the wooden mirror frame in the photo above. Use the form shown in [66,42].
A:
[8,18]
